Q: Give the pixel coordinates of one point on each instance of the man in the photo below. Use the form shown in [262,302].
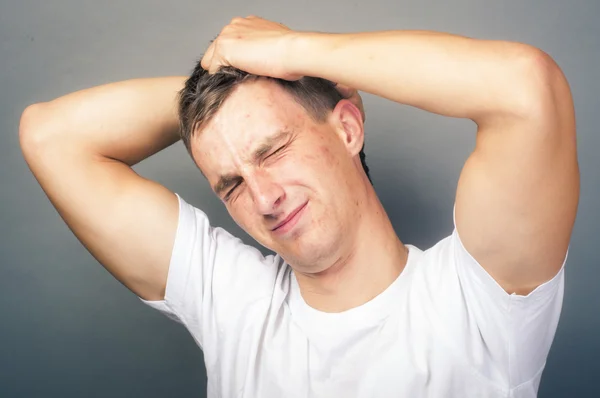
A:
[344,309]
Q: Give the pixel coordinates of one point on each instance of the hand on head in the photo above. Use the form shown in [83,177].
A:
[252,44]
[259,46]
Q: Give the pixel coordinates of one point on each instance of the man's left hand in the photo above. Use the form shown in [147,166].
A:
[252,44]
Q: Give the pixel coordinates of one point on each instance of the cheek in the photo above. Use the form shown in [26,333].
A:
[327,157]
[312,165]
[324,161]
[240,211]
[300,168]
[320,153]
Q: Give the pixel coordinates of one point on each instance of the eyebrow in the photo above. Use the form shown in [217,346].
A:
[265,147]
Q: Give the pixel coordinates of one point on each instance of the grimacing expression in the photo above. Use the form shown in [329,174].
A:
[286,179]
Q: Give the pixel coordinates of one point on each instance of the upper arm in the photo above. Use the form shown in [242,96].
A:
[518,192]
[126,222]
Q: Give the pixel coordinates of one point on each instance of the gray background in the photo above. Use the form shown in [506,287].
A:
[68,329]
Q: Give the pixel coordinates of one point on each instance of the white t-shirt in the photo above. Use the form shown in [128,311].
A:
[443,328]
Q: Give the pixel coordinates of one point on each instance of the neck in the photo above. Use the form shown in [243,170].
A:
[373,258]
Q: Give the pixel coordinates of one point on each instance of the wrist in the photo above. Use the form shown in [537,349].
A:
[302,53]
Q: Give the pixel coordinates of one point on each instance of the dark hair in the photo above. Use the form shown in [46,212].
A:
[204,93]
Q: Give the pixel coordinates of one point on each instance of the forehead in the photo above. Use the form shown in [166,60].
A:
[252,113]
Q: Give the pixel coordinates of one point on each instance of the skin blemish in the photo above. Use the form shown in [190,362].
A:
[306,164]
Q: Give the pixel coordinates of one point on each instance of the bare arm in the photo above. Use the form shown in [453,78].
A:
[80,148]
[518,192]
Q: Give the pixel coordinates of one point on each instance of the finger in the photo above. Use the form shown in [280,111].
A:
[359,103]
[208,56]
[344,90]
[214,67]
[356,99]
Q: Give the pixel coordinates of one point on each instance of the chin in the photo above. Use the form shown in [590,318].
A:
[311,246]
[310,256]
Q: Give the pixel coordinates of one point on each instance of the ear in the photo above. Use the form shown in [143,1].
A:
[349,125]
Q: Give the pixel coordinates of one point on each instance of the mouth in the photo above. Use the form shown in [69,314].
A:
[291,220]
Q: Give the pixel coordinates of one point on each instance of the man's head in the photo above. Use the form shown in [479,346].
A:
[270,147]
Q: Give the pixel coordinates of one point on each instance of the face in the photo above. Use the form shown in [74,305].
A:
[288,181]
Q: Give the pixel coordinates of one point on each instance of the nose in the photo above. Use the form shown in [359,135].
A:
[266,193]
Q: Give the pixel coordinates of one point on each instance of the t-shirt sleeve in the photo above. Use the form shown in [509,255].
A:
[212,274]
[505,337]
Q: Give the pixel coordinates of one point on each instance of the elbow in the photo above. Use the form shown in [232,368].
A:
[542,85]
[33,127]
[29,126]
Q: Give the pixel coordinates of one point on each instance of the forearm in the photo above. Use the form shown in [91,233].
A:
[127,121]
[446,74]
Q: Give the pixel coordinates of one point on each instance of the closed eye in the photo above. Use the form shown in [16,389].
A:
[230,192]
[276,151]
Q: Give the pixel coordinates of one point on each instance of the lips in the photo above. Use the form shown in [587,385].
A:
[289,217]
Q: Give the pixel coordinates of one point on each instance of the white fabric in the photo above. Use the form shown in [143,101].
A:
[444,328]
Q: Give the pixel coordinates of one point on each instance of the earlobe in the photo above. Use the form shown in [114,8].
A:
[350,125]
